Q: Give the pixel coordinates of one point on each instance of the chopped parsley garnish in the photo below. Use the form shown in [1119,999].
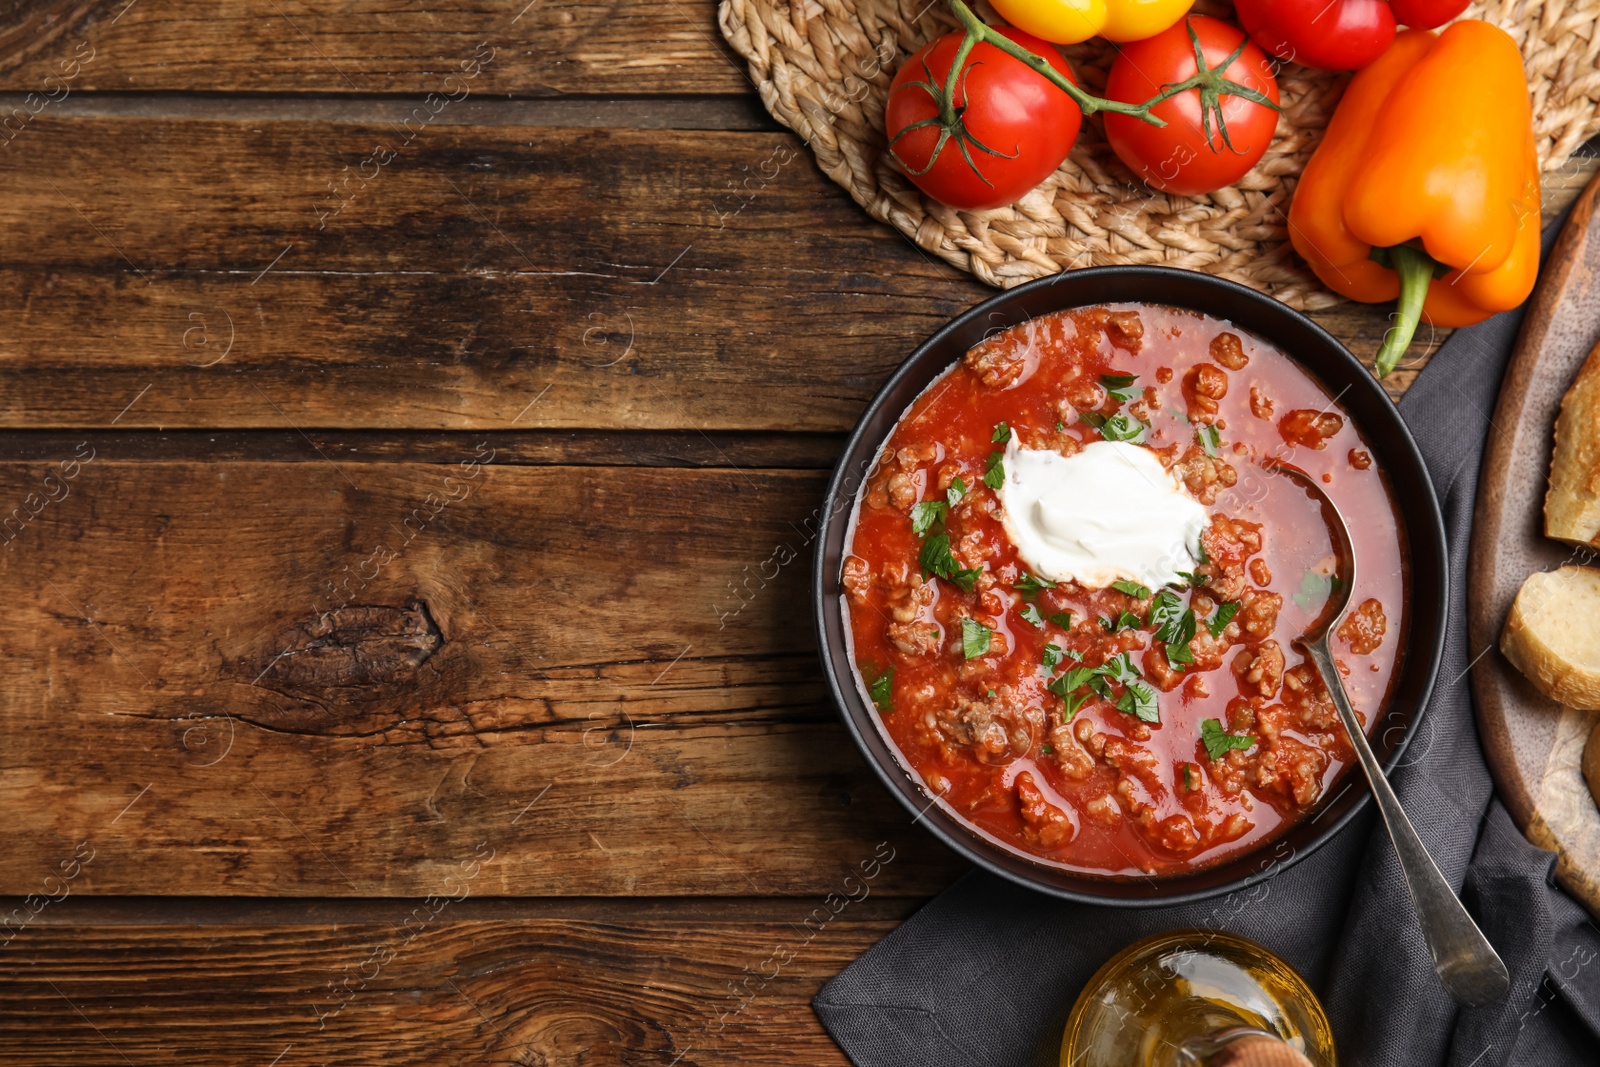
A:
[1175,626]
[1046,750]
[1060,426]
[957,490]
[1189,577]
[967,578]
[1072,678]
[1002,433]
[1219,742]
[1121,386]
[1188,781]
[1119,427]
[1067,688]
[936,559]
[994,475]
[1062,619]
[1167,616]
[1133,589]
[974,638]
[1210,440]
[1120,668]
[1077,684]
[1126,621]
[1052,656]
[935,556]
[1201,553]
[1028,585]
[1219,622]
[925,514]
[1139,700]
[1031,613]
[881,690]
[1314,588]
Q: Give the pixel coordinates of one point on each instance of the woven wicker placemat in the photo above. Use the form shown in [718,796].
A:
[823,69]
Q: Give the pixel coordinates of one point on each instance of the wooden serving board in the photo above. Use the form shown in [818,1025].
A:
[1534,746]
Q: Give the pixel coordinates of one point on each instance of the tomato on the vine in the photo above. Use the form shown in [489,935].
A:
[1002,131]
[1427,14]
[1217,94]
[1341,35]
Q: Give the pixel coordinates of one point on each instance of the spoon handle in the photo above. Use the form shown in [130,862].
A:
[1466,963]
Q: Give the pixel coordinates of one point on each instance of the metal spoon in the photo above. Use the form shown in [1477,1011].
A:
[1469,968]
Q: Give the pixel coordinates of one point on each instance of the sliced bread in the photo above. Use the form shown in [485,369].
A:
[1553,635]
[1572,503]
[1591,762]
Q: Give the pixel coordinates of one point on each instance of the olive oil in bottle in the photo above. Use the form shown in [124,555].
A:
[1197,998]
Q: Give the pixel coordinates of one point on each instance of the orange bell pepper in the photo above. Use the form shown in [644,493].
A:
[1426,185]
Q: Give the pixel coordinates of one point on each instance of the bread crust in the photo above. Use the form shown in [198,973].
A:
[1546,602]
[1591,762]
[1572,502]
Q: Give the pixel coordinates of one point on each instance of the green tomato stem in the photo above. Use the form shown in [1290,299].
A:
[1415,268]
[978,30]
[947,106]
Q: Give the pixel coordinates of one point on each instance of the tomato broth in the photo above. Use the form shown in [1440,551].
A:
[1086,727]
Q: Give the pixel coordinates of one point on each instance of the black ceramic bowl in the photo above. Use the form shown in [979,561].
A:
[1361,397]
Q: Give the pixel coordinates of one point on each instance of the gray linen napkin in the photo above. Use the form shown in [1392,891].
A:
[987,972]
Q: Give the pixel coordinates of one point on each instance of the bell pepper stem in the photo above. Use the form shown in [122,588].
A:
[1415,268]
[979,30]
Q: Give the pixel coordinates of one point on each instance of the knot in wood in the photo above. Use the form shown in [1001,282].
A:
[358,646]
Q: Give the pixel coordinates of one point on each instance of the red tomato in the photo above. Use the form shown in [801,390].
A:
[1341,35]
[1215,131]
[1427,14]
[1013,127]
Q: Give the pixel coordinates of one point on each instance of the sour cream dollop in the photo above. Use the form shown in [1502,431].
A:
[1109,513]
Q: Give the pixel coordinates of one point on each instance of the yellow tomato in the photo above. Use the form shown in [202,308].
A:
[1071,21]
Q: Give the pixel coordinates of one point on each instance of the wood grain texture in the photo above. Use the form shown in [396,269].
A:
[362,46]
[721,111]
[1533,745]
[616,275]
[339,678]
[590,675]
[480,268]
[528,993]
[515,448]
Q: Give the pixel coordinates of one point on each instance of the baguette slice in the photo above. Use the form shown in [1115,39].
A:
[1553,635]
[1591,762]
[1572,503]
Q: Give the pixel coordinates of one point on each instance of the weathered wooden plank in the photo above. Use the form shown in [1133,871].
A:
[340,678]
[617,270]
[363,46]
[437,991]
[80,912]
[631,279]
[725,111]
[588,448]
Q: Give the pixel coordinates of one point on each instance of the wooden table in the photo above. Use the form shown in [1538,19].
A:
[412,409]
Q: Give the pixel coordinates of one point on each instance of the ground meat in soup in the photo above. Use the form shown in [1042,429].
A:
[1190,744]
